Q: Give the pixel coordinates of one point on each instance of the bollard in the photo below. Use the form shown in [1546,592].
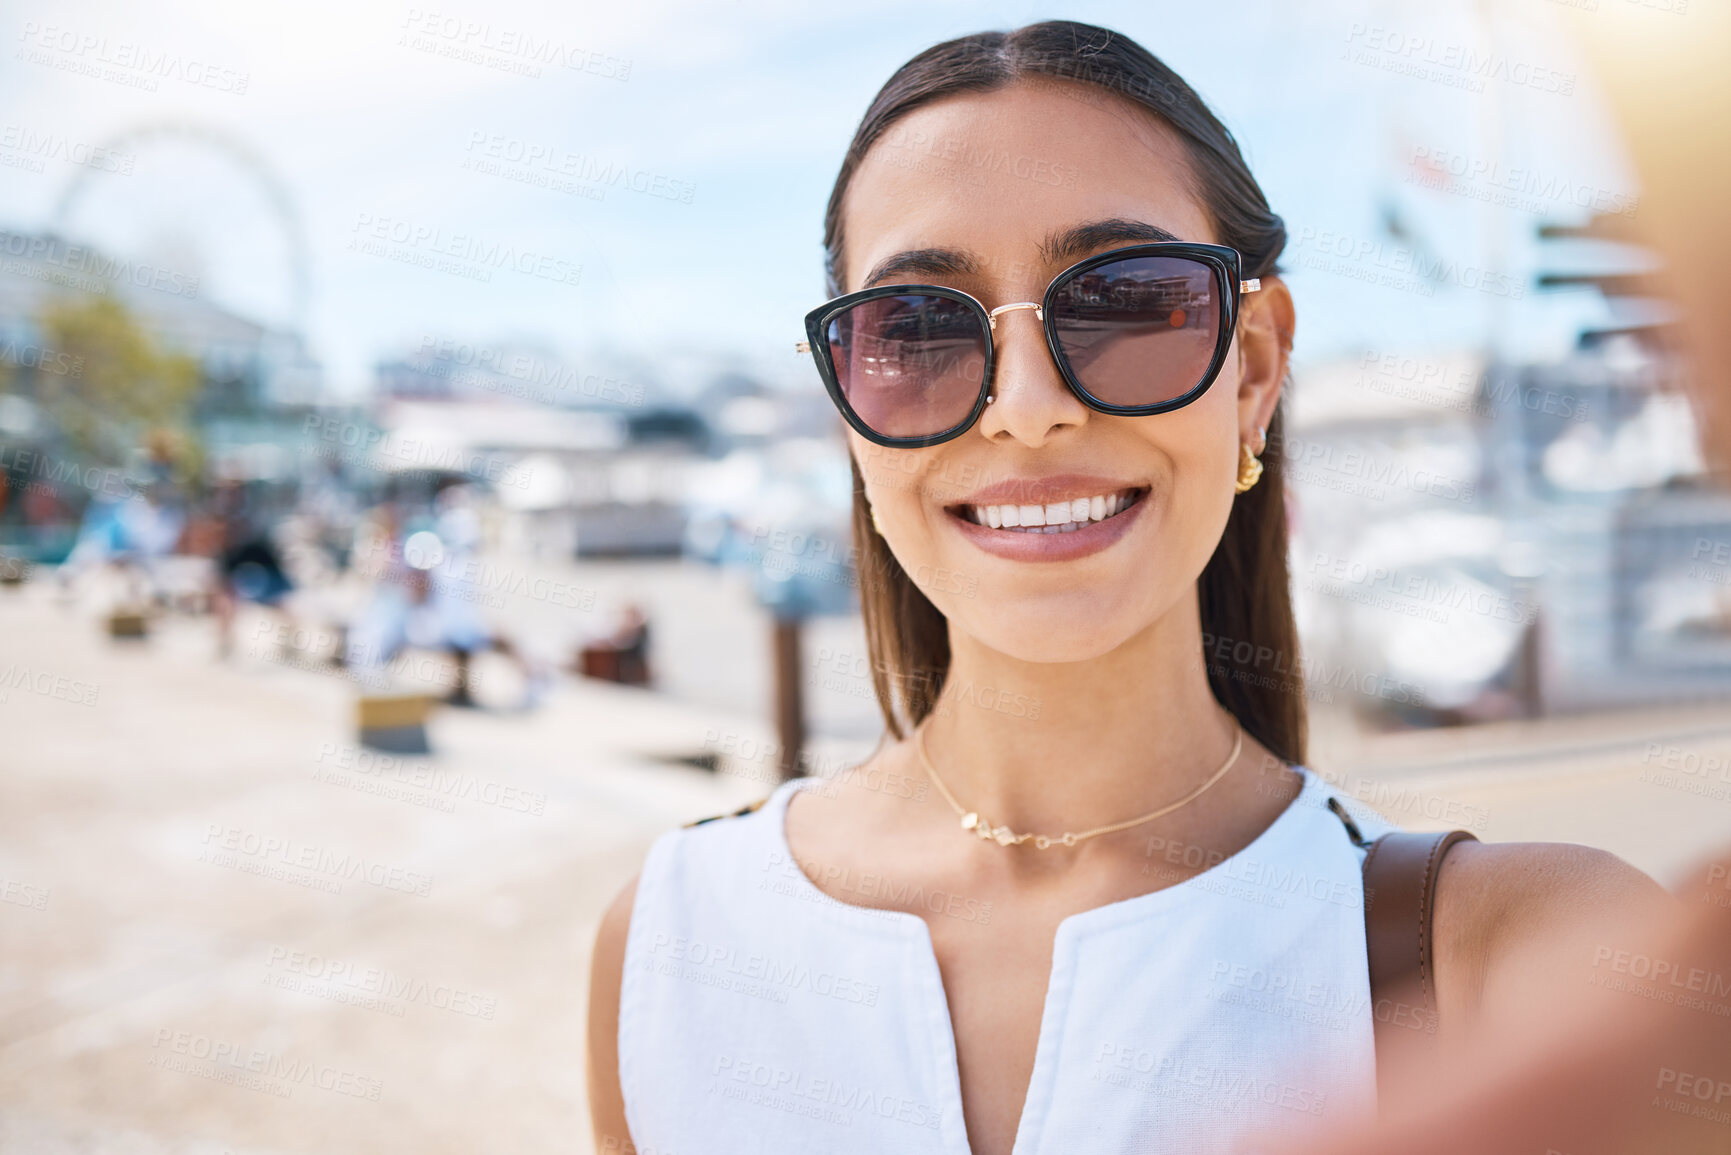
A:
[396,723]
[128,623]
[789,703]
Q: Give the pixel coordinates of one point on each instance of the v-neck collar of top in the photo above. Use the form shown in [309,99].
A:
[1286,826]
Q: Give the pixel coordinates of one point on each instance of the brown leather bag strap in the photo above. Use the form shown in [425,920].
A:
[1400,873]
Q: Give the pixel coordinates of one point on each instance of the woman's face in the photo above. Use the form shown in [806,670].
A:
[995,194]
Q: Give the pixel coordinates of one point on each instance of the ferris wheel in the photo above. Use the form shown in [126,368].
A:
[234,155]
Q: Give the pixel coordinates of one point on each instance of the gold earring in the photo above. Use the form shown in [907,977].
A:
[1249,468]
[876,524]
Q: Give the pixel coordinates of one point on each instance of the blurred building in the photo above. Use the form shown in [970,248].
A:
[586,461]
[256,384]
[1478,539]
[1633,535]
[598,462]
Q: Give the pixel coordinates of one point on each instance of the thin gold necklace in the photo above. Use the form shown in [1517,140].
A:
[1004,836]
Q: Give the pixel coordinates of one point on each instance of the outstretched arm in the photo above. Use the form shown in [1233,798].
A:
[1603,1013]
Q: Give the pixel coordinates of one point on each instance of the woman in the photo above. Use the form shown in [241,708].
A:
[1085,896]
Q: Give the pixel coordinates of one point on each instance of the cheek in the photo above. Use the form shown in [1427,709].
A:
[1199,443]
[900,481]
[1197,507]
[897,483]
[891,476]
[1198,447]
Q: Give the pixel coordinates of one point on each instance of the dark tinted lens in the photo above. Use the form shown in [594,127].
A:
[1139,331]
[911,365]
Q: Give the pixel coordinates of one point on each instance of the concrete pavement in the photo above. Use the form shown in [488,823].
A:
[224,928]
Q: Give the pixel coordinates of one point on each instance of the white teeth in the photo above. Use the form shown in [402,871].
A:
[1058,517]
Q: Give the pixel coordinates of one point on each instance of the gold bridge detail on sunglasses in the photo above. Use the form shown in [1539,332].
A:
[992,317]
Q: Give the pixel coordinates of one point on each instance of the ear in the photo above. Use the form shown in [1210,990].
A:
[1265,325]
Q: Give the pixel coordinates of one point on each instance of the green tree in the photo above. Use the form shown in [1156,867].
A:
[131,389]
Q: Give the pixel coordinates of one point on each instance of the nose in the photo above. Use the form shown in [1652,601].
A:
[1029,400]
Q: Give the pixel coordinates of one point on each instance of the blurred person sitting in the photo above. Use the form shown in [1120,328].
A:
[424,594]
[129,536]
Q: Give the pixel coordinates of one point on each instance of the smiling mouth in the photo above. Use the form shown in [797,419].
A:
[1056,517]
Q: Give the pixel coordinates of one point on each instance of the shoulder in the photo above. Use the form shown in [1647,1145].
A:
[615,928]
[1509,913]
[1509,890]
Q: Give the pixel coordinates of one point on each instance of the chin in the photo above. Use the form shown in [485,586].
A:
[1068,627]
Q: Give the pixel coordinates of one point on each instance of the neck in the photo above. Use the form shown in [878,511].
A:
[1046,747]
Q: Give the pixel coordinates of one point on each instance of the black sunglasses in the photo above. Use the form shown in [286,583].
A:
[1134,331]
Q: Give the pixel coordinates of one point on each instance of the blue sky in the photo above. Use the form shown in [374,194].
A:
[380,121]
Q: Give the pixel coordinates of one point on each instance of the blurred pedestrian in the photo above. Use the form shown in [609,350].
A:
[247,561]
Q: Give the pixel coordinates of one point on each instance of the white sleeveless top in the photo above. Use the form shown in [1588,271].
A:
[758,1014]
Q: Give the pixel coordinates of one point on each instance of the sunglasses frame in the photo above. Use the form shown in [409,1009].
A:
[1223,260]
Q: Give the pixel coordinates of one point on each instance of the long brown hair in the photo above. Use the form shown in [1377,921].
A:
[1250,639]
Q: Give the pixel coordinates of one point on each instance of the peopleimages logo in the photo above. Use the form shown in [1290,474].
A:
[496,154]
[1417,591]
[505,49]
[760,968]
[224,843]
[47,684]
[1396,266]
[829,1099]
[1123,1064]
[367,441]
[1308,460]
[1455,65]
[254,1067]
[1519,187]
[331,978]
[136,65]
[462,254]
[423,775]
[1243,660]
[545,380]
[1471,390]
[42,359]
[964,152]
[54,472]
[37,146]
[81,260]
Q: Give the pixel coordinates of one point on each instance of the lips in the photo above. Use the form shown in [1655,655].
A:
[1060,502]
[1051,517]
[1055,518]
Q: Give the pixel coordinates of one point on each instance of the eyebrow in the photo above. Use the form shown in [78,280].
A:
[1072,244]
[938,262]
[1060,247]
